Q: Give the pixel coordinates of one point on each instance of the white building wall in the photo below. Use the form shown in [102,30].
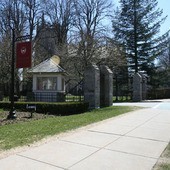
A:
[34,83]
[59,83]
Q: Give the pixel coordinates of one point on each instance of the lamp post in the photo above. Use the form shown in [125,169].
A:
[12,113]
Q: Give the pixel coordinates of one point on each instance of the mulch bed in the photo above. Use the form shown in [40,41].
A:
[21,117]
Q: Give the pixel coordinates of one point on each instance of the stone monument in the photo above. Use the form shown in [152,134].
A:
[137,87]
[92,86]
[144,87]
[106,86]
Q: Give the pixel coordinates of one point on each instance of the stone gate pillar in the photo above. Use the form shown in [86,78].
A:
[144,87]
[137,87]
[106,86]
[92,86]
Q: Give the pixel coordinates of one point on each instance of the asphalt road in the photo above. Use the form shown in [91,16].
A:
[163,104]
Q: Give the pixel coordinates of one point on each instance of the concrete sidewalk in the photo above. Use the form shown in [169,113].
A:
[133,141]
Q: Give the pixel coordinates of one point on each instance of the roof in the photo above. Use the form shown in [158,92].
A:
[50,65]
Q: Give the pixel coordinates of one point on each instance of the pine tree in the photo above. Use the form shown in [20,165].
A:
[136,25]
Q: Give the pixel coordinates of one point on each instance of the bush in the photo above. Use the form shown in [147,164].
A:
[65,108]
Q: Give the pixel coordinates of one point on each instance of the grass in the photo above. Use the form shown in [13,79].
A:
[166,154]
[70,97]
[19,134]
[164,167]
[122,98]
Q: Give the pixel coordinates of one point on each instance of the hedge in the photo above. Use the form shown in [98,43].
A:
[161,93]
[65,108]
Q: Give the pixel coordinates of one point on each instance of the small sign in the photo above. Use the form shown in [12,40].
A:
[31,107]
[23,52]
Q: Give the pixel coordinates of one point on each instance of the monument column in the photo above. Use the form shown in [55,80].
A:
[144,87]
[106,86]
[137,87]
[92,86]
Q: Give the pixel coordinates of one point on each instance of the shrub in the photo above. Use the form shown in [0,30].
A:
[65,108]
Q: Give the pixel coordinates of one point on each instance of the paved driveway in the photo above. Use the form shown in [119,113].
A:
[158,104]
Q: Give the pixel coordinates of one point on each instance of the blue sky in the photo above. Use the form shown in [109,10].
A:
[162,4]
[165,4]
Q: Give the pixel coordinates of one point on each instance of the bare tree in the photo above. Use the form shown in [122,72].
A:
[12,18]
[58,14]
[32,10]
[33,13]
[89,30]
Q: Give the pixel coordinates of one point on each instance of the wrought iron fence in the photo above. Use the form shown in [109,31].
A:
[45,97]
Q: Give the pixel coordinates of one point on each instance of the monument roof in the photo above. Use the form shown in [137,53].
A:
[50,65]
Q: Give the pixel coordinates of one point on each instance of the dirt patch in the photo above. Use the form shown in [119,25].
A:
[21,117]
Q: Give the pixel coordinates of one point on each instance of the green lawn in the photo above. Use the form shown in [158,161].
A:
[122,98]
[164,167]
[19,134]
[165,156]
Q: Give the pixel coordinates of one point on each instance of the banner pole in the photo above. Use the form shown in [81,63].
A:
[12,113]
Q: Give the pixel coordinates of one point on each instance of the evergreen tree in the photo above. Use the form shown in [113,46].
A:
[136,25]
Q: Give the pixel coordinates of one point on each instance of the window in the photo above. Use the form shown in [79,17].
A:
[47,83]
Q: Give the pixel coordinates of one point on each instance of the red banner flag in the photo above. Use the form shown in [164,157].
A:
[23,52]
